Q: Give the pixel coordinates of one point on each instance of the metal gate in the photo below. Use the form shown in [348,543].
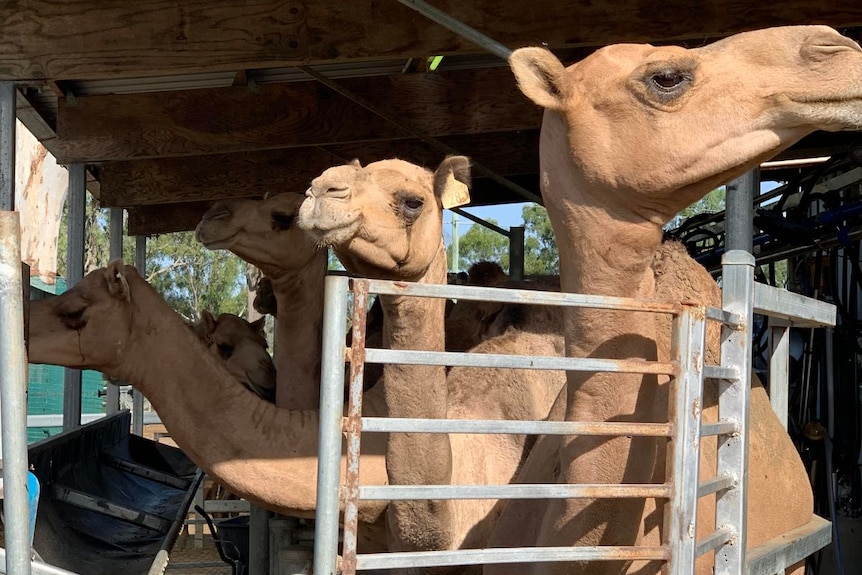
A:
[682,489]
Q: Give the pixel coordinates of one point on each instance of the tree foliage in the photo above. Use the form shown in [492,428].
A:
[189,277]
[540,248]
[481,244]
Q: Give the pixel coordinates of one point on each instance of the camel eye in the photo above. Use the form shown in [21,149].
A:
[412,206]
[74,318]
[282,221]
[225,350]
[668,80]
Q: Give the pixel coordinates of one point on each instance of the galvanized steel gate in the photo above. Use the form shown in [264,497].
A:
[679,548]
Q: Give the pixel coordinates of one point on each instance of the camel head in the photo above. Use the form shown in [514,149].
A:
[242,346]
[88,326]
[261,232]
[384,220]
[648,130]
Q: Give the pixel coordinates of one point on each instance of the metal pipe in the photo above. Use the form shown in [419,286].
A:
[137,396]
[515,491]
[258,540]
[115,250]
[516,253]
[739,226]
[8,96]
[480,221]
[510,426]
[331,411]
[76,209]
[431,141]
[459,28]
[36,567]
[13,396]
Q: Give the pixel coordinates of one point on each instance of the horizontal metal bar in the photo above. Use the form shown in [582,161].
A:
[713,541]
[800,310]
[419,559]
[504,361]
[725,317]
[36,567]
[718,372]
[147,472]
[513,491]
[715,485]
[783,551]
[227,506]
[719,428]
[111,509]
[520,296]
[609,429]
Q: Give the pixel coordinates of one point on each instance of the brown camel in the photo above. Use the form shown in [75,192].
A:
[385,221]
[631,135]
[115,322]
[263,233]
[242,345]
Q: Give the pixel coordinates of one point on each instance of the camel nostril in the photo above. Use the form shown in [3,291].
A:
[339,193]
[216,213]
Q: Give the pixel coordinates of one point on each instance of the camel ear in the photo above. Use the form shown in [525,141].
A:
[259,326]
[541,76]
[115,276]
[452,182]
[355,162]
[206,325]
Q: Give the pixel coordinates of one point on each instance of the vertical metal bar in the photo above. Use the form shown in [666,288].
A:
[734,399]
[779,368]
[459,28]
[137,396]
[76,208]
[8,96]
[354,427]
[258,540]
[683,461]
[115,250]
[456,245]
[516,252]
[331,411]
[739,213]
[13,397]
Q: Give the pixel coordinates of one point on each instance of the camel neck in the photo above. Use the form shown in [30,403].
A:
[299,297]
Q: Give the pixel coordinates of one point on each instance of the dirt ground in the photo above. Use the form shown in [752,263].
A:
[185,554]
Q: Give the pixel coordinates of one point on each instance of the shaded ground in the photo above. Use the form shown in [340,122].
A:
[186,553]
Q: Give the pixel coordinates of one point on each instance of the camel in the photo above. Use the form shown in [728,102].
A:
[631,135]
[242,345]
[263,233]
[384,221]
[113,321]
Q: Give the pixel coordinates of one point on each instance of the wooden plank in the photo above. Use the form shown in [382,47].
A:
[169,218]
[253,174]
[95,39]
[234,119]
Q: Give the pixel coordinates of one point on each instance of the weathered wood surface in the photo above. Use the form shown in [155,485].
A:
[232,119]
[90,39]
[253,174]
[40,193]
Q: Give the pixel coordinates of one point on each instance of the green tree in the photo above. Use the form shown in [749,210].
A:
[479,244]
[540,248]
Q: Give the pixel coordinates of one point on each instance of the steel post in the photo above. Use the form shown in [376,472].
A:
[13,397]
[734,400]
[7,146]
[331,412]
[137,396]
[115,250]
[76,207]
[739,213]
[779,368]
[258,540]
[516,253]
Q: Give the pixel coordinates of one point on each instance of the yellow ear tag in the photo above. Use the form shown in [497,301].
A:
[455,194]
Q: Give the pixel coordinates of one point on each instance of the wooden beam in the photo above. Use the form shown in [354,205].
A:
[95,39]
[232,119]
[253,174]
[169,218]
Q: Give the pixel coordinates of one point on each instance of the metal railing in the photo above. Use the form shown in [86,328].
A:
[682,489]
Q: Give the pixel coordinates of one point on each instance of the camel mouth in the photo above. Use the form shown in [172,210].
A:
[214,243]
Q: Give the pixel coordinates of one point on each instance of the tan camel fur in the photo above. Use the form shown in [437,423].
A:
[114,322]
[385,221]
[631,135]
[242,345]
[262,232]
